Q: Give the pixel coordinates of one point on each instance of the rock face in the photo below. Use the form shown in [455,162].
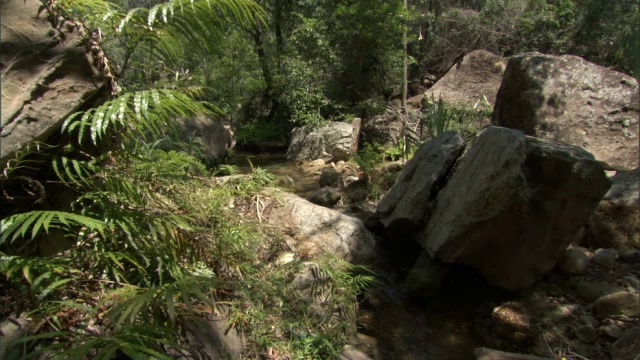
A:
[315,229]
[567,99]
[215,136]
[473,79]
[513,205]
[404,208]
[329,143]
[625,188]
[214,337]
[44,79]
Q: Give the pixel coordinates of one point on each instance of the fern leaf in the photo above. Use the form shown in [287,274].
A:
[18,225]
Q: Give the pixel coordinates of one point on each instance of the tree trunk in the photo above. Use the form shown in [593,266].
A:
[404,65]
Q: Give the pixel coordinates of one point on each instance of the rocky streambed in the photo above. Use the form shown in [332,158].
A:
[585,307]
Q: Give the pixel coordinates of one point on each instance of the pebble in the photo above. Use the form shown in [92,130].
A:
[586,334]
[620,303]
[575,260]
[605,258]
[630,257]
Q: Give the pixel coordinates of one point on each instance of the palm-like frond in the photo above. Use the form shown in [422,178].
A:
[140,113]
[30,224]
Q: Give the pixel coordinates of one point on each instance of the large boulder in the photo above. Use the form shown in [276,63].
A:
[403,209]
[314,229]
[214,135]
[512,206]
[474,79]
[45,78]
[330,143]
[568,99]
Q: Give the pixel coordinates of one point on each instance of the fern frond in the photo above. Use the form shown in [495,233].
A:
[31,223]
[141,113]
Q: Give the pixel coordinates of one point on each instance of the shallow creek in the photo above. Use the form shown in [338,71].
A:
[391,326]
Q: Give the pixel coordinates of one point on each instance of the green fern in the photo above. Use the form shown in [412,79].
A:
[29,225]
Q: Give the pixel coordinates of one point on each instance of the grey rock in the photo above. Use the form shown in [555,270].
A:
[215,136]
[612,331]
[326,196]
[586,334]
[574,260]
[473,79]
[285,181]
[491,354]
[316,230]
[573,101]
[589,320]
[632,281]
[214,336]
[404,207]
[329,143]
[351,353]
[11,330]
[44,79]
[627,347]
[350,179]
[625,188]
[356,191]
[513,205]
[605,258]
[620,303]
[592,290]
[330,177]
[425,277]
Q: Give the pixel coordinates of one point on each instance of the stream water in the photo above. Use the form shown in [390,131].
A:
[391,326]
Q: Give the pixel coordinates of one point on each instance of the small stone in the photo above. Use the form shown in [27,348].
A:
[586,334]
[612,331]
[591,290]
[605,258]
[588,320]
[627,346]
[632,281]
[326,196]
[620,303]
[575,260]
[351,353]
[630,257]
[285,257]
[490,354]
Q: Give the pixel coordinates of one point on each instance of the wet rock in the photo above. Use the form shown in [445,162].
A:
[630,257]
[632,281]
[627,346]
[326,197]
[612,331]
[315,229]
[330,143]
[570,100]
[574,260]
[524,200]
[625,188]
[330,177]
[605,258]
[588,320]
[592,290]
[402,211]
[620,303]
[356,192]
[490,354]
[425,277]
[586,334]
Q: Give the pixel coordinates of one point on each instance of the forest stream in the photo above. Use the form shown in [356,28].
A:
[390,325]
